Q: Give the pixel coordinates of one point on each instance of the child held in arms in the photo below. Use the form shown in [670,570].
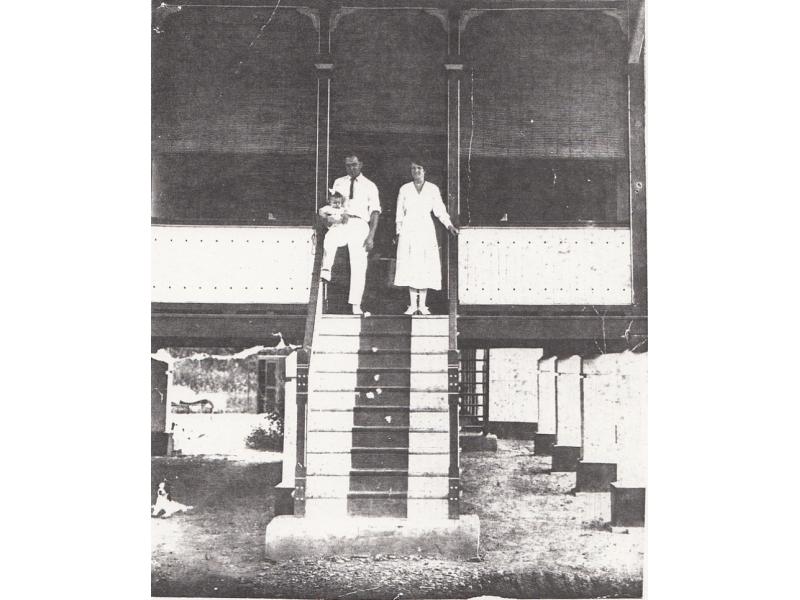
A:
[335,217]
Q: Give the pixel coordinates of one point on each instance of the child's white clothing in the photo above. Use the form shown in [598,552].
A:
[333,216]
[337,236]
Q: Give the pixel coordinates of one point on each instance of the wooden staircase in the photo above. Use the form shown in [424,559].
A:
[378,441]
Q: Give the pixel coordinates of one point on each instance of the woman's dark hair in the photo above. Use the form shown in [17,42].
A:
[419,159]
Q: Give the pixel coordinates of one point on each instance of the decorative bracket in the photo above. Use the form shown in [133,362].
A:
[311,13]
[637,38]
[162,11]
[440,14]
[467,16]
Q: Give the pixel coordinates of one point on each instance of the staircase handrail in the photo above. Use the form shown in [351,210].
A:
[303,366]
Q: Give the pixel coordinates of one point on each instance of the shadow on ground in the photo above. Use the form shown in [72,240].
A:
[538,540]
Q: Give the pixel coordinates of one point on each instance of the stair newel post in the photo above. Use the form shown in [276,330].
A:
[454,487]
[485,390]
[302,411]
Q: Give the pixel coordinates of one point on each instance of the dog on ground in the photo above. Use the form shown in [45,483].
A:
[198,406]
[165,506]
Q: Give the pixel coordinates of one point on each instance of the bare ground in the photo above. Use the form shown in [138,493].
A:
[537,539]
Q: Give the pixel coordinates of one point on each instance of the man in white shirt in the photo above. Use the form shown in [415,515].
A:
[363,207]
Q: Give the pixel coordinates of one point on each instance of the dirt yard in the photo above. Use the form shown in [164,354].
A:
[537,539]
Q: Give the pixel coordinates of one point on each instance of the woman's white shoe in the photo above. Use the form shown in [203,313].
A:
[424,310]
[410,310]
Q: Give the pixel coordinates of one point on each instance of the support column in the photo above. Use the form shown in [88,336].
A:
[513,381]
[636,150]
[324,68]
[567,450]
[545,437]
[602,382]
[455,69]
[628,491]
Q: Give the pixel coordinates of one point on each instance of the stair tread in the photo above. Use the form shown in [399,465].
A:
[378,351]
[378,471]
[382,449]
[381,370]
[393,449]
[326,317]
[374,386]
[387,449]
[379,407]
[376,494]
[394,334]
[366,428]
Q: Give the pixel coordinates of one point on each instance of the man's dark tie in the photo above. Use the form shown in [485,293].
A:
[352,183]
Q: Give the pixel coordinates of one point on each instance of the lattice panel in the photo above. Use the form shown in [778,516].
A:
[541,266]
[231,264]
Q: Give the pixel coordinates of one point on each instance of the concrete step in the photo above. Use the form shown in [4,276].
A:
[378,480]
[322,382]
[339,486]
[361,415]
[378,458]
[343,463]
[353,343]
[375,396]
[416,509]
[374,343]
[347,325]
[344,441]
[339,362]
[377,504]
[347,400]
[382,437]
[378,417]
[370,376]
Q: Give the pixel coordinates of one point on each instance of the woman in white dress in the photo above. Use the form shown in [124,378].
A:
[418,263]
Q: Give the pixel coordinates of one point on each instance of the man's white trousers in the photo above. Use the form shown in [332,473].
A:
[351,234]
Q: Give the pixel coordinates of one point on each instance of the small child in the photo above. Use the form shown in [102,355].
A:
[335,218]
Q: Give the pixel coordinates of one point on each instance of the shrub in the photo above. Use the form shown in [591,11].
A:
[268,434]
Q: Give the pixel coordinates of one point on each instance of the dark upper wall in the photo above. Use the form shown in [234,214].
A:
[235,99]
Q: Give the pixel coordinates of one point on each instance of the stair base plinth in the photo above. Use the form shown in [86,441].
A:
[289,537]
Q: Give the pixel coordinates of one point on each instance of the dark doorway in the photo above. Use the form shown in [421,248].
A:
[389,104]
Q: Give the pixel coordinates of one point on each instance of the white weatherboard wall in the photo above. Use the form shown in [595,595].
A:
[541,266]
[513,389]
[247,265]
